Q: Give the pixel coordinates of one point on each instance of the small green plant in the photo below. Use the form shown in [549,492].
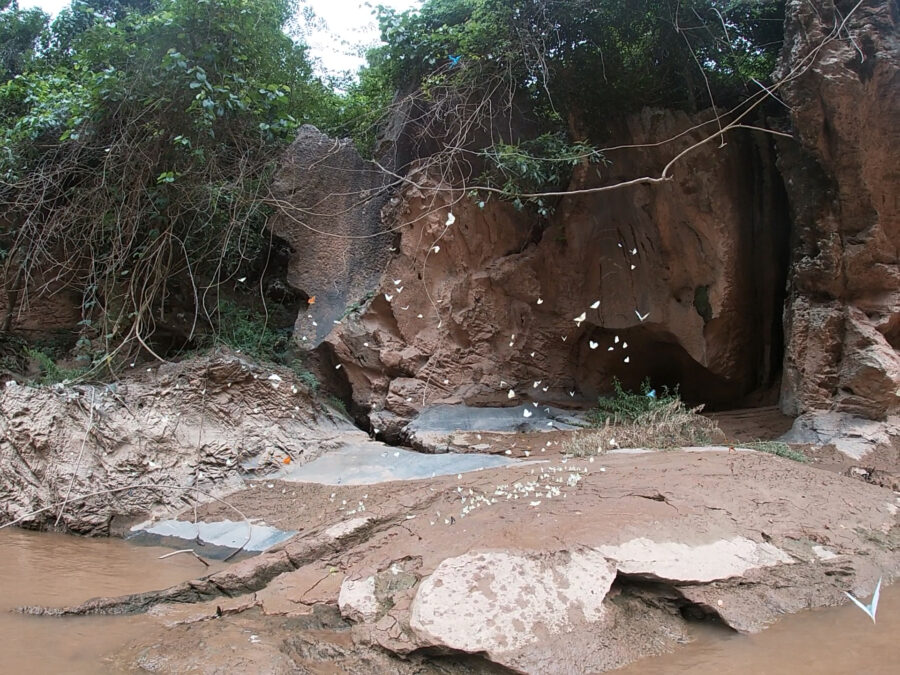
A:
[50,371]
[247,331]
[358,305]
[305,376]
[338,405]
[625,406]
[629,420]
[775,448]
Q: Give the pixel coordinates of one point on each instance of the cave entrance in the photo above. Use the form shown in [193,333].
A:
[737,361]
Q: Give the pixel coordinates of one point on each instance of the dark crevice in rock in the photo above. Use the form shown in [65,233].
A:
[462,662]
[664,596]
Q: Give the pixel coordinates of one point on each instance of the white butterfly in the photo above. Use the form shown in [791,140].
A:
[616,340]
[450,219]
[502,383]
[337,367]
[405,308]
[565,337]
[314,323]
[640,317]
[545,388]
[419,316]
[624,345]
[620,244]
[634,267]
[534,403]
[537,384]
[627,359]
[593,345]
[581,317]
[399,289]
[540,301]
[511,394]
[532,354]
[572,394]
[392,249]
[595,305]
[242,280]
[397,282]
[872,607]
[526,413]
[446,381]
[634,251]
[436,249]
[609,349]
[388,297]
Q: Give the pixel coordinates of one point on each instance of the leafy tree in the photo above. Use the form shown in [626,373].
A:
[520,90]
[19,33]
[137,150]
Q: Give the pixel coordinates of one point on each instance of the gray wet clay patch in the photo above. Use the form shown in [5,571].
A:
[442,418]
[370,463]
[225,533]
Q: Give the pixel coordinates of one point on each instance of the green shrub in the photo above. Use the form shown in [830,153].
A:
[305,376]
[630,420]
[625,406]
[50,371]
[247,331]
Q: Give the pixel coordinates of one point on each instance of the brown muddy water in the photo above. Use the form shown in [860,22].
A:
[53,569]
[59,570]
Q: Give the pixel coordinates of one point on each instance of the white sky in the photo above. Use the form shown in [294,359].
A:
[347,25]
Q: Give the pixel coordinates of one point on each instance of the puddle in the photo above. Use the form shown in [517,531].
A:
[829,641]
[224,534]
[370,463]
[441,418]
[58,570]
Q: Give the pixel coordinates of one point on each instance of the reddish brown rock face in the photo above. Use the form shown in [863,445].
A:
[467,311]
[842,316]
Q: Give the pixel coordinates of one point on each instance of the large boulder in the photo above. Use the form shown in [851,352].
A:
[680,282]
[328,202]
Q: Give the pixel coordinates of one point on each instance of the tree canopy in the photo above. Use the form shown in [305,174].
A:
[139,136]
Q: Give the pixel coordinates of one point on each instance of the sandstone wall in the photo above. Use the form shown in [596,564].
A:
[842,316]
[457,318]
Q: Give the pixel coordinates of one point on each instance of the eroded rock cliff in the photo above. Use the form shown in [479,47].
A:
[842,315]
[689,274]
[679,282]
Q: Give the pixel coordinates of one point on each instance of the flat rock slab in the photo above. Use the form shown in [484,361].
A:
[500,602]
[224,533]
[678,562]
[371,463]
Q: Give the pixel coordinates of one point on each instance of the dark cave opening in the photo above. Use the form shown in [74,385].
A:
[737,363]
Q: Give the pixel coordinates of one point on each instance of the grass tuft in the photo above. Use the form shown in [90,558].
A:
[775,448]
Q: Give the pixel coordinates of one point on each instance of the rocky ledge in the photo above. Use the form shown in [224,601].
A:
[554,566]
